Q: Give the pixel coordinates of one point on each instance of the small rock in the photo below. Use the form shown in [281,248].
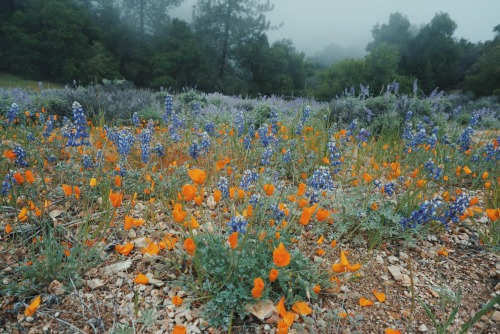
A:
[380,259]
[403,256]
[267,327]
[497,287]
[423,328]
[29,319]
[262,309]
[396,272]
[94,283]
[56,288]
[116,267]
[393,259]
[496,316]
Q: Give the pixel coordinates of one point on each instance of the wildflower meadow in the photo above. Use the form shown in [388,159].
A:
[206,213]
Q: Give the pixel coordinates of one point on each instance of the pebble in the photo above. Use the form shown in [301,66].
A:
[267,327]
[393,259]
[423,328]
[403,256]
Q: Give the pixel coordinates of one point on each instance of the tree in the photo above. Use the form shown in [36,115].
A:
[484,76]
[49,39]
[346,74]
[395,32]
[225,25]
[148,16]
[381,66]
[433,55]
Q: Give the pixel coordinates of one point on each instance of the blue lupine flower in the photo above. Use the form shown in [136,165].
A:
[277,214]
[321,179]
[210,128]
[254,199]
[77,134]
[194,149]
[474,120]
[52,158]
[238,224]
[334,156]
[223,186]
[160,150]
[247,141]
[14,110]
[351,128]
[145,141]
[266,156]
[273,119]
[287,157]
[424,214]
[169,108]
[7,183]
[125,140]
[30,136]
[248,179]
[465,139]
[456,209]
[136,120]
[389,188]
[20,156]
[363,135]
[86,162]
[239,121]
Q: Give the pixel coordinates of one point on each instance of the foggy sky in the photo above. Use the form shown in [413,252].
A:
[313,24]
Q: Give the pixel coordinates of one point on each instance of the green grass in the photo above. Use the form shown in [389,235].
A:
[12,81]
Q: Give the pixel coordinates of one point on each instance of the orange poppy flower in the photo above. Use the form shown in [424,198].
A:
[141,279]
[8,228]
[168,242]
[19,178]
[129,222]
[9,154]
[177,301]
[118,180]
[258,287]
[197,175]
[76,191]
[217,195]
[282,327]
[93,182]
[115,199]
[379,295]
[365,302]
[151,249]
[67,189]
[29,176]
[302,189]
[280,256]
[198,200]
[193,223]
[189,192]
[125,249]
[467,170]
[306,214]
[367,177]
[268,189]
[301,308]
[280,307]
[493,214]
[178,213]
[179,329]
[23,215]
[485,175]
[273,275]
[189,246]
[322,214]
[317,289]
[392,331]
[31,309]
[233,240]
